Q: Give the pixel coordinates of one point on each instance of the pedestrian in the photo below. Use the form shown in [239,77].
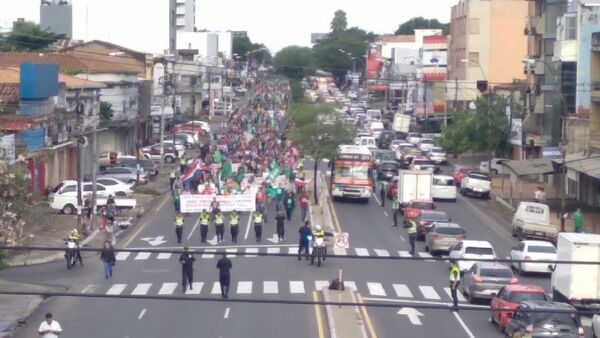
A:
[204,223]
[454,281]
[234,221]
[182,164]
[187,268]
[172,175]
[107,256]
[578,221]
[49,328]
[280,225]
[176,201]
[289,205]
[177,185]
[258,224]
[219,226]
[261,197]
[395,211]
[303,206]
[303,243]
[412,235]
[563,218]
[279,196]
[215,207]
[224,265]
[179,226]
[111,210]
[382,194]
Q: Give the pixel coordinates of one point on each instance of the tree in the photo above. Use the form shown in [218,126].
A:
[14,203]
[242,45]
[419,22]
[28,36]
[339,23]
[106,111]
[295,62]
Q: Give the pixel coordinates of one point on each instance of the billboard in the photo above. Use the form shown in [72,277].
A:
[435,58]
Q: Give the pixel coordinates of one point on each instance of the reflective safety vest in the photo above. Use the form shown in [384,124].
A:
[319,233]
[413,227]
[395,205]
[172,173]
[219,219]
[234,219]
[454,274]
[204,219]
[182,161]
[178,221]
[258,218]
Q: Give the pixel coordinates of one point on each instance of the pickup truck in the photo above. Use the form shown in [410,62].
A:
[476,183]
[532,220]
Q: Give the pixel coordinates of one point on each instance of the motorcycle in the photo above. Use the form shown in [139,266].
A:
[72,254]
[319,251]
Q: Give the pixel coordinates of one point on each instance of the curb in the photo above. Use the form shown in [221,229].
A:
[505,204]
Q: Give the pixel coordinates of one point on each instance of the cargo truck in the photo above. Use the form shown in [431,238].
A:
[414,185]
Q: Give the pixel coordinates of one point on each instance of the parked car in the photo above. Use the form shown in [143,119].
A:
[533,251]
[596,326]
[532,220]
[460,173]
[471,249]
[506,301]
[443,188]
[441,236]
[114,186]
[425,144]
[153,152]
[437,155]
[545,324]
[64,197]
[111,158]
[187,140]
[415,207]
[476,183]
[484,279]
[203,124]
[387,169]
[497,166]
[149,167]
[178,144]
[414,138]
[426,218]
[125,174]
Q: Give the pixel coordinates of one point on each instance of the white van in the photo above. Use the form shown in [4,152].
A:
[532,220]
[64,197]
[376,128]
[374,115]
[444,188]
[368,141]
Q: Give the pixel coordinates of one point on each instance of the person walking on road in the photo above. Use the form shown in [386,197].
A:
[49,328]
[280,225]
[234,223]
[176,201]
[382,194]
[578,221]
[395,211]
[219,226]
[258,225]
[454,281]
[179,227]
[172,175]
[224,265]
[303,205]
[305,236]
[108,259]
[187,268]
[204,224]
[289,205]
[412,235]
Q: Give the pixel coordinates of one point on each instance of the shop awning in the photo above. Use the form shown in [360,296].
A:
[589,166]
[538,166]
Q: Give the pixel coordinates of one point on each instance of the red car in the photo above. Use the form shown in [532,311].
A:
[392,191]
[459,173]
[509,297]
[413,209]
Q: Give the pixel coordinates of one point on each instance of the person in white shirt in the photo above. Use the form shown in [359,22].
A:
[49,328]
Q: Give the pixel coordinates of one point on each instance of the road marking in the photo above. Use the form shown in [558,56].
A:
[350,285]
[429,292]
[142,314]
[141,289]
[362,251]
[248,226]
[293,250]
[216,289]
[121,256]
[193,229]
[336,221]
[402,238]
[226,315]
[154,270]
[412,301]
[377,199]
[164,255]
[459,295]
[142,256]
[174,248]
[244,287]
[251,250]
[376,289]
[462,323]
[167,288]
[366,317]
[231,252]
[382,253]
[320,330]
[320,284]
[402,291]
[425,254]
[90,288]
[386,213]
[273,250]
[209,253]
[196,288]
[404,254]
[270,287]
[297,286]
[339,251]
[145,222]
[116,289]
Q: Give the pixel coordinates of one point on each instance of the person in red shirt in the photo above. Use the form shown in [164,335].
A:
[303,201]
[261,197]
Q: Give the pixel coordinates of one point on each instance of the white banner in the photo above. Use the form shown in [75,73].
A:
[197,203]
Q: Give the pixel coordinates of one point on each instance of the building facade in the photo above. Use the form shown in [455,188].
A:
[185,15]
[57,16]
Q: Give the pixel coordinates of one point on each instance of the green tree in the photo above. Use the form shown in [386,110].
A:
[106,111]
[242,46]
[339,23]
[419,22]
[28,36]
[14,203]
[295,62]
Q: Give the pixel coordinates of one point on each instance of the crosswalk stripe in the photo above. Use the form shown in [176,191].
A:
[91,288]
[209,253]
[362,251]
[350,285]
[141,256]
[244,287]
[167,288]
[270,287]
[273,250]
[459,295]
[425,254]
[293,250]
[196,288]
[216,289]
[381,253]
[402,291]
[429,292]
[320,284]
[121,256]
[251,251]
[164,255]
[376,289]
[297,286]
[141,289]
[231,252]
[116,289]
[404,254]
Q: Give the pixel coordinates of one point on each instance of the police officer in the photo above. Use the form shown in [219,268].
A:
[318,233]
[396,211]
[280,225]
[182,164]
[412,235]
[219,226]
[172,175]
[187,268]
[179,226]
[234,222]
[454,282]
[305,234]
[258,224]
[224,265]
[204,223]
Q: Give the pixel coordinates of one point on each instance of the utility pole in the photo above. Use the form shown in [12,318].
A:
[95,173]
[425,98]
[79,179]
[162,115]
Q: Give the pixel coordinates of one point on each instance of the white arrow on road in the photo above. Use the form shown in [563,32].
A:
[154,241]
[412,314]
[273,239]
[212,241]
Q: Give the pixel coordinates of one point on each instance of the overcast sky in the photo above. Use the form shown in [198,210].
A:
[138,24]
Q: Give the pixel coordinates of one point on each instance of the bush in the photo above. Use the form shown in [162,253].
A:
[146,191]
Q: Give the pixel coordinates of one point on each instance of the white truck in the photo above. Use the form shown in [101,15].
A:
[476,183]
[401,123]
[414,185]
[577,284]
[532,220]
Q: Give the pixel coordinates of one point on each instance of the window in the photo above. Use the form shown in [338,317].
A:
[69,188]
[107,182]
[571,28]
[541,249]
[473,59]
[479,251]
[474,26]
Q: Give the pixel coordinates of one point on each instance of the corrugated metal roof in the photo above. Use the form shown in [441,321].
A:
[589,166]
[531,167]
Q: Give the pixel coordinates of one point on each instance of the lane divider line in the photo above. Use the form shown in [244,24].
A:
[320,331]
[366,317]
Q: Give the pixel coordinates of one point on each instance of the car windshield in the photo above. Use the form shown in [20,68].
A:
[443,181]
[543,318]
[389,166]
[499,273]
[519,297]
[541,249]
[387,157]
[449,231]
[475,250]
[422,205]
[57,188]
[479,176]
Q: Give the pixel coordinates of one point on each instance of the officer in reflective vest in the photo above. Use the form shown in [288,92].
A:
[412,235]
[179,226]
[454,281]
[172,175]
[204,223]
[258,224]
[182,164]
[396,211]
[234,221]
[219,226]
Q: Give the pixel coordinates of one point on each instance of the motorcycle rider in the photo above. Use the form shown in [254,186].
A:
[73,245]
[318,233]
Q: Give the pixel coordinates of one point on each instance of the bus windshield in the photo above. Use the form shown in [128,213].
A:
[356,171]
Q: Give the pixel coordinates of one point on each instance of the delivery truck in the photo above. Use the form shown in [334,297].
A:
[401,124]
[414,185]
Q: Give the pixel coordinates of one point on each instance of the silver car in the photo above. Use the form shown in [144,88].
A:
[437,155]
[484,279]
[442,236]
[125,174]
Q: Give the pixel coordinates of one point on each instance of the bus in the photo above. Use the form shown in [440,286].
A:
[352,173]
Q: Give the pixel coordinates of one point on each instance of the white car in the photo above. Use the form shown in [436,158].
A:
[203,124]
[437,155]
[425,144]
[531,250]
[114,186]
[497,166]
[396,144]
[596,326]
[471,249]
[414,138]
[443,188]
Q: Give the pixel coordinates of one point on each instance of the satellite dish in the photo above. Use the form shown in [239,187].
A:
[472,105]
